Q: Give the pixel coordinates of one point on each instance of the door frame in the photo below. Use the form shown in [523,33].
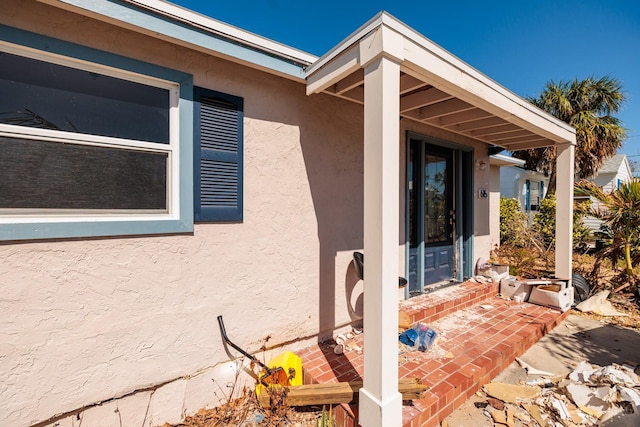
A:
[463,202]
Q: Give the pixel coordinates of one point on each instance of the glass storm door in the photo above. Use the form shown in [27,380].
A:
[431,216]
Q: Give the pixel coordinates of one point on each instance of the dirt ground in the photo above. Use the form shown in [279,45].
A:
[624,303]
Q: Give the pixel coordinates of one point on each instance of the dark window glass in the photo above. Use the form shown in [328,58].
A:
[436,219]
[51,175]
[44,95]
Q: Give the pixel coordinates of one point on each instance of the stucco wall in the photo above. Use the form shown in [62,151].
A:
[88,320]
[494,220]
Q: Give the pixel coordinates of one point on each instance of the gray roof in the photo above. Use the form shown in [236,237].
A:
[612,165]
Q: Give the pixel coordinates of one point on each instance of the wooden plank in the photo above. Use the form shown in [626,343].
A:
[404,320]
[335,393]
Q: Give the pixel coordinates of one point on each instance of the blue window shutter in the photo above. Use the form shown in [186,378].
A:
[218,156]
[527,197]
[541,190]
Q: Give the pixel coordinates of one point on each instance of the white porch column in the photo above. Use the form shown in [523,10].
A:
[564,210]
[380,402]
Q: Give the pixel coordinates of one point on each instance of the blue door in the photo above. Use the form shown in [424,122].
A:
[431,215]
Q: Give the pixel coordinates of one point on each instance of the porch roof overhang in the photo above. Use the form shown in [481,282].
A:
[436,88]
[391,69]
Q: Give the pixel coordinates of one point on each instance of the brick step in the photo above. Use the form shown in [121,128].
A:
[479,342]
[432,306]
[478,338]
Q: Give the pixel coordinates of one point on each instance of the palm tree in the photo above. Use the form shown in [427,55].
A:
[588,105]
[620,212]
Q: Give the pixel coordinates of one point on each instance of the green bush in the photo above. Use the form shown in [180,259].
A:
[512,222]
[544,223]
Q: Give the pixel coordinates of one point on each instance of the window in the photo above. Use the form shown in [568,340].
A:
[218,156]
[90,148]
[534,197]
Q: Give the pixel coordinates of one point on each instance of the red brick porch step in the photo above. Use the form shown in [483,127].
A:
[479,336]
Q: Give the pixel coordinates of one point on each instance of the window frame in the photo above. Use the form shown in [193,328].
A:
[16,225]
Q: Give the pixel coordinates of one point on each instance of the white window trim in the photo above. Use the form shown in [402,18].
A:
[178,218]
[15,216]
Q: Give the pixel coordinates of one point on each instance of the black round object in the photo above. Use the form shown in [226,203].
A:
[581,288]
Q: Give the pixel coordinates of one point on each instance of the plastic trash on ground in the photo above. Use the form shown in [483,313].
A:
[420,337]
[291,363]
[600,305]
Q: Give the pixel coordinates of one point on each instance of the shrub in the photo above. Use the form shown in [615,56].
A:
[544,223]
[512,222]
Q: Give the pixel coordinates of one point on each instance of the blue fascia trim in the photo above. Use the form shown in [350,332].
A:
[73,50]
[80,228]
[186,152]
[177,30]
[56,230]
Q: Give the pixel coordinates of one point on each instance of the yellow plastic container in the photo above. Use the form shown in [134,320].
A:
[290,363]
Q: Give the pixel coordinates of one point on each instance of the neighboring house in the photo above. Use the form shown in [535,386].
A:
[613,172]
[160,168]
[528,186]
[498,162]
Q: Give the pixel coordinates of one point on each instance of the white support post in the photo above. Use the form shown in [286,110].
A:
[564,210]
[380,401]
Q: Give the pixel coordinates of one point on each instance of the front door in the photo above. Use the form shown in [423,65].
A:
[431,215]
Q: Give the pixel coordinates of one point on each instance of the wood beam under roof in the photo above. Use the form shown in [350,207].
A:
[408,83]
[482,122]
[460,117]
[444,108]
[494,130]
[509,136]
[422,98]
[539,143]
[353,80]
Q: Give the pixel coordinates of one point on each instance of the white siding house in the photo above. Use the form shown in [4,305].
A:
[529,187]
[613,173]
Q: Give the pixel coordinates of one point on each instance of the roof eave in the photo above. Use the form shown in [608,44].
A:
[172,23]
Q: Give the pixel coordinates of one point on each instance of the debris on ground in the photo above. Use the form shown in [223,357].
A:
[599,304]
[625,303]
[531,370]
[245,411]
[590,395]
[511,393]
[419,337]
[334,393]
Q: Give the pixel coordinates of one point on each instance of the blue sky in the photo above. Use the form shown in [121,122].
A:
[519,44]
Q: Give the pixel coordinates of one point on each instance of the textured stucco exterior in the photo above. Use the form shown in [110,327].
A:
[89,320]
[494,200]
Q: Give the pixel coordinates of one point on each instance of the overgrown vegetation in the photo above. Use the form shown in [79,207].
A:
[513,222]
[619,211]
[544,223]
[240,407]
[529,248]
